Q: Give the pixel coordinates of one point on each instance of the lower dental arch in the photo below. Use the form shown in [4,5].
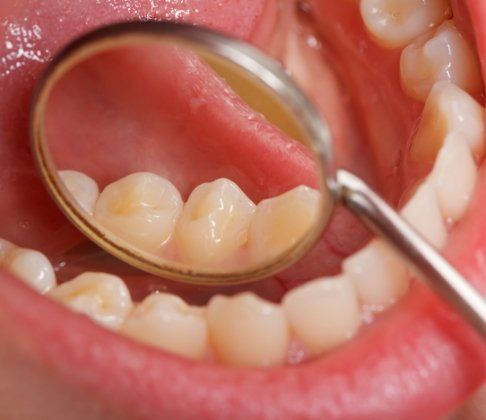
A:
[247,331]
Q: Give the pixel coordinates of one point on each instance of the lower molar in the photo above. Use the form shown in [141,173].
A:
[102,297]
[247,331]
[167,322]
[83,189]
[323,313]
[443,54]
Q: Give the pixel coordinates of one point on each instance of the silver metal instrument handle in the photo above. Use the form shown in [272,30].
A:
[440,275]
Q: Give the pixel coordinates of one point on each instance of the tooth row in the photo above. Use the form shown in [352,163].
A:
[217,226]
[434,49]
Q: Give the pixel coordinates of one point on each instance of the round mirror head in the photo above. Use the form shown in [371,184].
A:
[183,152]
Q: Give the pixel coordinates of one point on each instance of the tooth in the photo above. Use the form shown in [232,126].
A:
[448,109]
[141,208]
[32,267]
[443,54]
[422,212]
[5,248]
[323,313]
[378,274]
[83,188]
[214,223]
[454,177]
[280,222]
[246,330]
[166,321]
[395,23]
[103,297]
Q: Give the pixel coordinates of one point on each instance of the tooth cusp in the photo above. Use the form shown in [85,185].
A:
[83,189]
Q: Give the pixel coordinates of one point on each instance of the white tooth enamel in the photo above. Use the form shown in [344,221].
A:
[323,313]
[83,188]
[443,54]
[103,297]
[454,177]
[214,223]
[448,109]
[141,208]
[246,330]
[423,213]
[379,275]
[31,266]
[5,248]
[166,321]
[280,222]
[395,23]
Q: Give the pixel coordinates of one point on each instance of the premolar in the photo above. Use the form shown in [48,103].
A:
[83,189]
[442,54]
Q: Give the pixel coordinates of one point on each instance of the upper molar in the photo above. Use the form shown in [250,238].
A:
[246,330]
[166,321]
[214,223]
[396,23]
[442,54]
[281,222]
[83,189]
[103,297]
[448,109]
[141,208]
[323,313]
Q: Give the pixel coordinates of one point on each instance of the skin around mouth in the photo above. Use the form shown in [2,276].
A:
[393,367]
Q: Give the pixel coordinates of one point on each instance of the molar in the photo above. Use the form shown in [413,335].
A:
[395,23]
[166,321]
[442,54]
[101,296]
[83,188]
[247,331]
[448,109]
[5,247]
[323,313]
[214,223]
[141,208]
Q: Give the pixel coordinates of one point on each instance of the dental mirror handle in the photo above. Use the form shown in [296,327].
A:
[441,276]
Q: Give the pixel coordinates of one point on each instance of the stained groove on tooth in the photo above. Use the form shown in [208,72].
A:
[214,223]
[323,313]
[395,23]
[32,267]
[83,188]
[282,221]
[247,331]
[167,322]
[141,208]
[379,275]
[448,109]
[443,54]
[101,296]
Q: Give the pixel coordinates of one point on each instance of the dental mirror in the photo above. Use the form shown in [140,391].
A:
[180,196]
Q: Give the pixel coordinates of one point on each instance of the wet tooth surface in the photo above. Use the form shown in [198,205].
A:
[83,188]
[448,109]
[31,266]
[378,274]
[395,23]
[166,321]
[323,313]
[141,208]
[103,297]
[280,222]
[247,331]
[214,223]
[443,54]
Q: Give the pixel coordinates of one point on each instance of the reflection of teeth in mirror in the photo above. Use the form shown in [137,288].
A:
[83,188]
[443,54]
[247,331]
[141,208]
[167,322]
[102,297]
[281,222]
[214,223]
[395,23]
